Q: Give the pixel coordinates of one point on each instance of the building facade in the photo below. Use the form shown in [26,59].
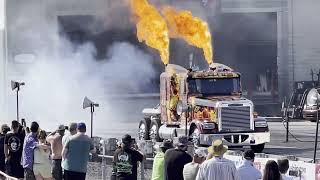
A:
[272,43]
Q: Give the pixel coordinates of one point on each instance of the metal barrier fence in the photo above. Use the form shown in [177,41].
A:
[4,176]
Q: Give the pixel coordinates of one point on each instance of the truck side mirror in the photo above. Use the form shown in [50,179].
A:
[181,108]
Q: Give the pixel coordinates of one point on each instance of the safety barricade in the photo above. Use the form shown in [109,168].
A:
[299,170]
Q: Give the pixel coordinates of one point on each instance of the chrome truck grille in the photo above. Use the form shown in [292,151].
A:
[235,119]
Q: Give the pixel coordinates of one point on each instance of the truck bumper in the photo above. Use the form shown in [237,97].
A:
[237,139]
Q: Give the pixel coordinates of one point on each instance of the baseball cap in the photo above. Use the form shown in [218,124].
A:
[73,126]
[200,153]
[61,128]
[126,139]
[167,143]
[81,125]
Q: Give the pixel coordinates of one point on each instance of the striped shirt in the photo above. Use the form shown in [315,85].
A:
[217,169]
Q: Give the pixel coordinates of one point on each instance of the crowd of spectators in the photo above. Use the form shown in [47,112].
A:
[174,163]
[31,154]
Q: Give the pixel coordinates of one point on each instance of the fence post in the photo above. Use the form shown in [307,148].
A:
[142,169]
[103,168]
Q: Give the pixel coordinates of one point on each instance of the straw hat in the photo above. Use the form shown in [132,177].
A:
[217,148]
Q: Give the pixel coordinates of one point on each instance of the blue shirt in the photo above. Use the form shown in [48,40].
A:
[247,171]
[30,143]
[78,149]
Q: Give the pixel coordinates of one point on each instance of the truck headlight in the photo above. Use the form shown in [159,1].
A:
[209,125]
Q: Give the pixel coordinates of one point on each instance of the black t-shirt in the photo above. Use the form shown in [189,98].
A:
[174,161]
[14,141]
[2,157]
[126,163]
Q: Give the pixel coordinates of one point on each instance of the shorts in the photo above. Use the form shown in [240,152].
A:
[57,169]
[42,170]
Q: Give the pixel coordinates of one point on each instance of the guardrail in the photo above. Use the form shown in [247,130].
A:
[4,176]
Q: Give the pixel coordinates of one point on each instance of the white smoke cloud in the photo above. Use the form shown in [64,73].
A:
[55,88]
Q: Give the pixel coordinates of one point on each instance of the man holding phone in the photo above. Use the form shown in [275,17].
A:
[125,160]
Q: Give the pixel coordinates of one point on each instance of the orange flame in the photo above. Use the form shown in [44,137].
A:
[151,27]
[192,29]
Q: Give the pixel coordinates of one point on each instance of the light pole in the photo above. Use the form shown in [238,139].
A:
[16,86]
[88,103]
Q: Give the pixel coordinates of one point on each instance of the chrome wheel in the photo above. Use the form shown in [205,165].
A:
[195,137]
[142,131]
[153,133]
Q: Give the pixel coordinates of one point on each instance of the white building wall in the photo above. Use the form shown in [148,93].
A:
[3,109]
[304,38]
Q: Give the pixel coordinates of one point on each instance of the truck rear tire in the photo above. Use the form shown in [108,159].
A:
[194,135]
[143,132]
[154,130]
[257,148]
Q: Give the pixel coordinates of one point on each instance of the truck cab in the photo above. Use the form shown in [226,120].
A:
[204,105]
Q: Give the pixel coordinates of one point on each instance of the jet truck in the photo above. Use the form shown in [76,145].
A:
[204,105]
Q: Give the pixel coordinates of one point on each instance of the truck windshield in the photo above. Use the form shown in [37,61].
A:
[223,86]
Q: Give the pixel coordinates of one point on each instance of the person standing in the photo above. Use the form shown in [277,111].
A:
[30,143]
[271,171]
[283,168]
[72,131]
[217,168]
[246,170]
[42,164]
[158,162]
[125,160]
[13,151]
[4,129]
[190,170]
[175,159]
[75,154]
[55,139]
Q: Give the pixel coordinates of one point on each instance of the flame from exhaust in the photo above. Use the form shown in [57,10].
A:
[192,29]
[151,27]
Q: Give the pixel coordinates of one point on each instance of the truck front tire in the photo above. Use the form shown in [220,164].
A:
[258,148]
[143,132]
[194,136]
[154,130]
